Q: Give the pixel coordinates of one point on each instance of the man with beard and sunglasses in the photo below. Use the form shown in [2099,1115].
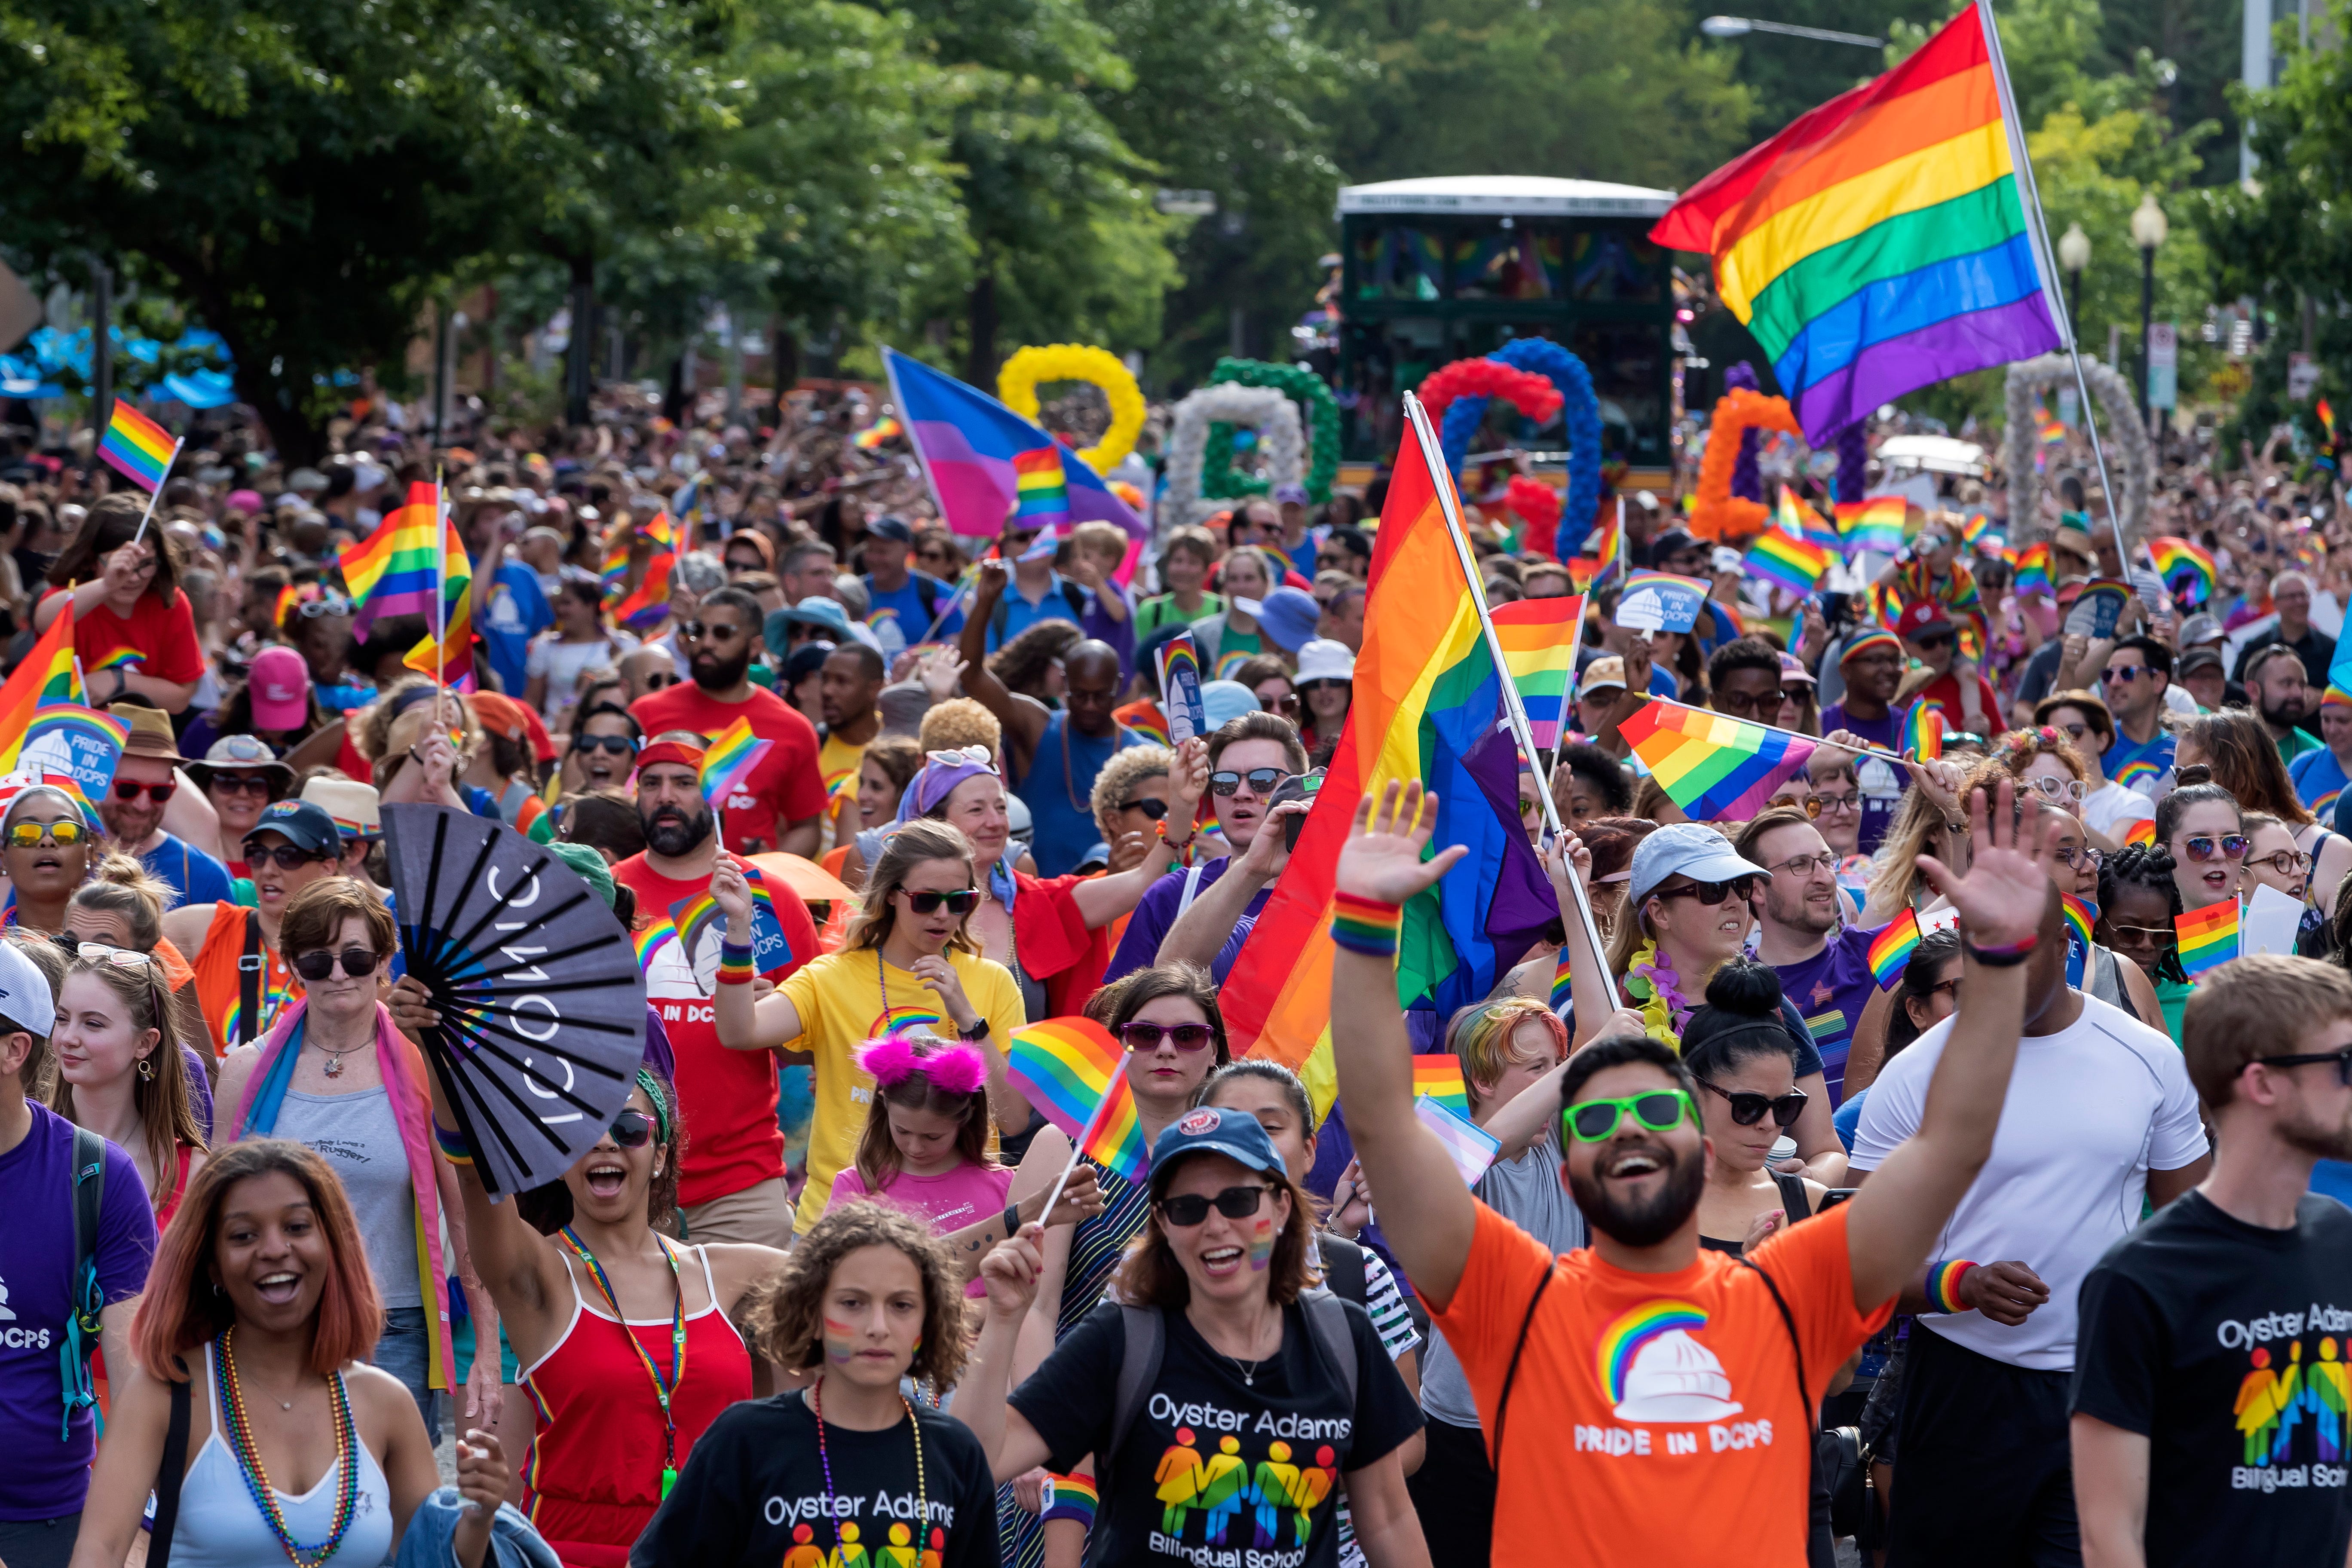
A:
[732,1179]
[2209,1395]
[1661,1396]
[780,805]
[2099,1116]
[132,809]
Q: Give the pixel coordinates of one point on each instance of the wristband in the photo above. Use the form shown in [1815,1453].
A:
[1943,1276]
[2016,952]
[454,1146]
[1011,1221]
[735,967]
[1183,852]
[1069,1497]
[1365,925]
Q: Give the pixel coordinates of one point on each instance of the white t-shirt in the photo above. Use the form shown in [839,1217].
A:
[2090,1111]
[564,663]
[2113,806]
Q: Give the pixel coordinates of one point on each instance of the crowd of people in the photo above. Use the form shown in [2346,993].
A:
[1779,1248]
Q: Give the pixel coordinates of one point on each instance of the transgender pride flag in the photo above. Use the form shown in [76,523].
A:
[969,443]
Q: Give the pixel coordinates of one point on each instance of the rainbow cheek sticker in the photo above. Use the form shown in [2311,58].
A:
[1261,1250]
[840,1340]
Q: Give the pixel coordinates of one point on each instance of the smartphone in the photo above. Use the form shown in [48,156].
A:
[1835,1196]
[1298,787]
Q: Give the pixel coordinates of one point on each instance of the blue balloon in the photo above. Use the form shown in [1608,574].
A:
[1580,408]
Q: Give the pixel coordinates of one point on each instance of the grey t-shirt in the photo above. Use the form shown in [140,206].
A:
[358,1135]
[1528,1193]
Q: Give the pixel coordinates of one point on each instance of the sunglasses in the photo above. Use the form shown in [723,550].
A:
[712,629]
[1154,809]
[1260,780]
[240,783]
[2343,1060]
[1746,703]
[359,962]
[1934,640]
[2128,673]
[1748,1110]
[2205,847]
[633,1129]
[1285,704]
[104,953]
[130,789]
[2146,936]
[285,857]
[1145,1037]
[1711,893]
[25,835]
[660,680]
[1659,1110]
[619,745]
[332,605]
[962,901]
[1811,805]
[1186,1210]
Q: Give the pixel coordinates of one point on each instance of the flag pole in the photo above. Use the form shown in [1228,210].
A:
[440,588]
[157,493]
[1433,458]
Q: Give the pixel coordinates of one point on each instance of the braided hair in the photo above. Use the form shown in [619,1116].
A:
[2146,866]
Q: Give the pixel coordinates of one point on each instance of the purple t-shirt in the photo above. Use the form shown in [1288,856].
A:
[1148,927]
[44,1476]
[1829,992]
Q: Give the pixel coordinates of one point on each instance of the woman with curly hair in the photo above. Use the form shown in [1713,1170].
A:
[2237,752]
[847,1469]
[1030,663]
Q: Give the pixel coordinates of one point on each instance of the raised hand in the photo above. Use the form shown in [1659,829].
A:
[1011,1271]
[937,973]
[1187,780]
[412,1013]
[1381,860]
[942,674]
[732,894]
[2014,859]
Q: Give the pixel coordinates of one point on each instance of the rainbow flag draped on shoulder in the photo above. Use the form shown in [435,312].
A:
[1879,244]
[1428,702]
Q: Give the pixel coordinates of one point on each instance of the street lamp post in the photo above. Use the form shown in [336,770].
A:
[1740,26]
[2074,260]
[2148,228]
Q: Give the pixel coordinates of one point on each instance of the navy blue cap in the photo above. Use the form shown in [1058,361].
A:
[1213,1130]
[305,824]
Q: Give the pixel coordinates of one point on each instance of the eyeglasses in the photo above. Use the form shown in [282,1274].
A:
[1802,865]
[2205,847]
[1659,1110]
[2057,789]
[285,856]
[1186,1210]
[2285,862]
[240,783]
[694,631]
[2343,1060]
[1748,1110]
[1746,703]
[1260,780]
[359,962]
[1711,893]
[962,901]
[1154,809]
[633,1128]
[619,745]
[1840,801]
[25,835]
[1142,1036]
[2127,672]
[130,789]
[2079,859]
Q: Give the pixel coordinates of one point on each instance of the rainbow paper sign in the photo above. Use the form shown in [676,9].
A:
[2098,608]
[2207,937]
[2081,916]
[1716,767]
[729,761]
[1890,949]
[1660,602]
[1471,1147]
[137,448]
[1791,563]
[1922,732]
[1179,685]
[1439,1078]
[66,738]
[2187,570]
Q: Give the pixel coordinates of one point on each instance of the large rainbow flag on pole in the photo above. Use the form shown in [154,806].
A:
[394,571]
[1539,638]
[970,445]
[1880,244]
[1428,703]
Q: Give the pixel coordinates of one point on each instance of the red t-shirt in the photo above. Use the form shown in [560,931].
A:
[726,1099]
[158,639]
[786,787]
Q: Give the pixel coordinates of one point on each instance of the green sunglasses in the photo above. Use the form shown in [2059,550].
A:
[1659,1110]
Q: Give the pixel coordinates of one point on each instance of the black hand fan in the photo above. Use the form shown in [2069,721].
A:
[542,1006]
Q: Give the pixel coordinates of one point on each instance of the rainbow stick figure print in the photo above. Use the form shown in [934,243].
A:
[1223,1483]
[1180,1474]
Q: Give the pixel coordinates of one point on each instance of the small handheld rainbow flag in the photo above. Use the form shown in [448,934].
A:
[2141,832]
[1540,639]
[2053,431]
[730,759]
[1875,522]
[1890,949]
[2033,569]
[1471,1146]
[394,571]
[1439,1076]
[137,448]
[2207,937]
[1791,563]
[1063,1066]
[1716,767]
[1922,732]
[45,678]
[1041,495]
[1603,547]
[1562,993]
[2187,570]
[451,661]
[1143,718]
[1798,520]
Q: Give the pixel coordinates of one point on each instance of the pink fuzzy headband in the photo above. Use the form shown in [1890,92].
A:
[952,1069]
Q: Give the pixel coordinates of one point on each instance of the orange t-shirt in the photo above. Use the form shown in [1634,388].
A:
[220,984]
[1655,1421]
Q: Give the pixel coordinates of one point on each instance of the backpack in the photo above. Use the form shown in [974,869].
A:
[1344,1274]
[86,1297]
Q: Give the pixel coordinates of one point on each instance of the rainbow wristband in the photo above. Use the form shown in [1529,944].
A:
[1943,1276]
[1365,925]
[735,966]
[454,1146]
[1070,1497]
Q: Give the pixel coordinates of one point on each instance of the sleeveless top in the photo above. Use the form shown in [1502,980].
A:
[1795,1201]
[220,1526]
[593,1478]
[220,988]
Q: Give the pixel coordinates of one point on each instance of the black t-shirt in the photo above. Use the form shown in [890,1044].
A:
[1218,1469]
[2230,1347]
[753,1493]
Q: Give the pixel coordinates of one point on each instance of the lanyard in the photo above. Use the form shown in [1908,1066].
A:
[663,1392]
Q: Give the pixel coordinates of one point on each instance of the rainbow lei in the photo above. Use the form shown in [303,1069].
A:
[256,1480]
[1652,980]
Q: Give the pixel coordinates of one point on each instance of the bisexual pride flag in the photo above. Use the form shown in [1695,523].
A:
[973,450]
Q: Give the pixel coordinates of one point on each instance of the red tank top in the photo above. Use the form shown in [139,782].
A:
[593,1478]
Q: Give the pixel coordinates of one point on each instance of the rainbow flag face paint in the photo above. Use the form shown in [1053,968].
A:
[1262,1236]
[840,1340]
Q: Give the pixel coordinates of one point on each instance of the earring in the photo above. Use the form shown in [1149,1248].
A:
[147,1068]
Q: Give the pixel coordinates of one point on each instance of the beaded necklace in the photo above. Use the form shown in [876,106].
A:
[256,1481]
[922,1493]
[663,1392]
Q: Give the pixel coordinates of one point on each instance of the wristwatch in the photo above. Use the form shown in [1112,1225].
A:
[977,1033]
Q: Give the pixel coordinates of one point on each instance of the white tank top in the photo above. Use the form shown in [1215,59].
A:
[221,1527]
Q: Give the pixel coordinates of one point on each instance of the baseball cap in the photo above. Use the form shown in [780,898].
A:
[1213,1129]
[305,824]
[893,527]
[1290,495]
[1923,618]
[1606,673]
[26,1001]
[1690,849]
[1793,668]
[2201,629]
[280,687]
[2197,659]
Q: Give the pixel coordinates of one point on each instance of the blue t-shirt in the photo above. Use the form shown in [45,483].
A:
[899,620]
[1848,1120]
[518,612]
[1830,991]
[196,876]
[1014,614]
[45,1478]
[1059,797]
[2318,779]
[2139,764]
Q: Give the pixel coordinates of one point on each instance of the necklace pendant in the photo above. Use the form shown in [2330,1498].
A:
[334,1067]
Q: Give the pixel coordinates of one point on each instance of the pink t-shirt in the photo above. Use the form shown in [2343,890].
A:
[961,1197]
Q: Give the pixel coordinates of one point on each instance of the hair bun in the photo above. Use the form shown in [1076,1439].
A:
[1745,987]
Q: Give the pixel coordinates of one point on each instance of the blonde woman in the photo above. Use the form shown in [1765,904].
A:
[120,1072]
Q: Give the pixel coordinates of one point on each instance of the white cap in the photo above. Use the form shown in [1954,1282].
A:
[24,999]
[1324,659]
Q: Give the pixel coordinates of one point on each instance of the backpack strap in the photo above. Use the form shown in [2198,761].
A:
[1139,1368]
[927,594]
[1327,1320]
[86,1298]
[1511,1373]
[174,1470]
[1787,1322]
[248,981]
[1075,597]
[1343,1269]
[1192,890]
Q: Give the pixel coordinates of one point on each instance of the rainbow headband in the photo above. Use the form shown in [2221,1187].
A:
[1875,637]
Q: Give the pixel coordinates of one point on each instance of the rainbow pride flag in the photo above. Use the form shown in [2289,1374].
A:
[1439,1076]
[1798,520]
[2052,430]
[1562,991]
[2080,916]
[2033,569]
[1922,732]
[1875,522]
[1043,497]
[644,609]
[873,435]
[1063,1066]
[137,448]
[1878,245]
[45,678]
[1716,767]
[1795,564]
[1606,548]
[1890,949]
[1539,638]
[1143,718]
[452,661]
[2208,936]
[729,759]
[394,571]
[2141,832]
[2187,569]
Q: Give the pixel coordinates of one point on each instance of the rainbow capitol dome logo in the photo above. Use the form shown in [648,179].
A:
[1651,1370]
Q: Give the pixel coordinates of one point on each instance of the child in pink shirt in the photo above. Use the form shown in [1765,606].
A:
[925,1146]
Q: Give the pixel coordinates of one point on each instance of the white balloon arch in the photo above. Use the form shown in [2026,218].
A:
[1265,409]
[2123,435]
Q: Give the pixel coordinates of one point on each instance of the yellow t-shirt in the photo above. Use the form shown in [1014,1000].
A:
[841,1006]
[837,763]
